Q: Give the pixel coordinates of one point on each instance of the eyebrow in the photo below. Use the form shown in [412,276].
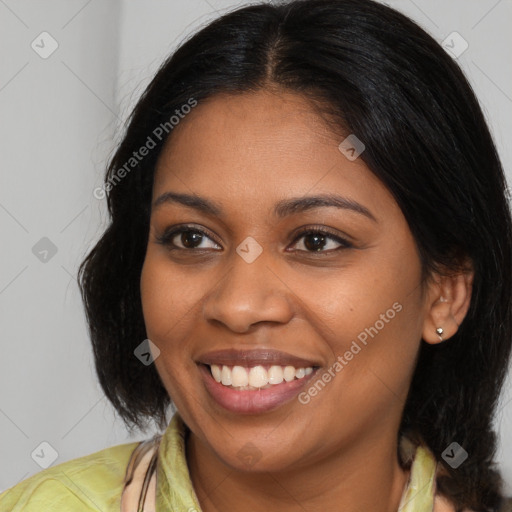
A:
[282,208]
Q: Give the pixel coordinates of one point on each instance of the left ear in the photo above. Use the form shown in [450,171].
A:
[448,300]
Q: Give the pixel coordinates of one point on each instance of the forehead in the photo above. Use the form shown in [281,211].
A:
[255,148]
[248,126]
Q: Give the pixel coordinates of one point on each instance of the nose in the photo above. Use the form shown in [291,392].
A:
[248,294]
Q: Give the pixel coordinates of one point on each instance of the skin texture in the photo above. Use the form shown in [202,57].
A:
[339,451]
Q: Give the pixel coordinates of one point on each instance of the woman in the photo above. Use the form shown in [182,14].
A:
[310,254]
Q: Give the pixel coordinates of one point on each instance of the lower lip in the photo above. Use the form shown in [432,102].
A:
[256,401]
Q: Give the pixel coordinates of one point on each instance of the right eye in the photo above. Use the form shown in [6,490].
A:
[189,237]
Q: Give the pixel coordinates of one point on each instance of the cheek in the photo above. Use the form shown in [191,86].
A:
[377,294]
[166,299]
[157,302]
[370,316]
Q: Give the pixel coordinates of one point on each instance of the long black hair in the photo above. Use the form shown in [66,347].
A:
[383,78]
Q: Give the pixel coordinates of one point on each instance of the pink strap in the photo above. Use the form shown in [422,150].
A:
[139,491]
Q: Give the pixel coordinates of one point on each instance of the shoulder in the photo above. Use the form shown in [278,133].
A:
[90,483]
[410,451]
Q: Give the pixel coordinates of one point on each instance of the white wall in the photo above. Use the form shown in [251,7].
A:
[59,118]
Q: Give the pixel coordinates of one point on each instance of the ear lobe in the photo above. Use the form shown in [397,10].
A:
[450,298]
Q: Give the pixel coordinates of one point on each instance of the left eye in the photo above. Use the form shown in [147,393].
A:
[316,241]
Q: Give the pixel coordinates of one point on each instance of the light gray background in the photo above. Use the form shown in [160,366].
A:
[60,119]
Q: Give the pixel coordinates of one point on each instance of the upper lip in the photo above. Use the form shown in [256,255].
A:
[254,357]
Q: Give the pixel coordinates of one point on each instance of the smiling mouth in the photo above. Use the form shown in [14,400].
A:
[243,378]
[254,389]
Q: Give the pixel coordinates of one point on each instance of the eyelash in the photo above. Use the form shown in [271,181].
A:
[166,238]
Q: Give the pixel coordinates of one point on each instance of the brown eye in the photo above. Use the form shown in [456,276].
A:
[314,241]
[317,240]
[188,239]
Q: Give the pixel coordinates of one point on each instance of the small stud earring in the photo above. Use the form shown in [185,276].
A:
[440,331]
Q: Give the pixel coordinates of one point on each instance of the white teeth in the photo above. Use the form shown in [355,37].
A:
[226,376]
[289,373]
[216,372]
[300,372]
[256,377]
[239,376]
[275,375]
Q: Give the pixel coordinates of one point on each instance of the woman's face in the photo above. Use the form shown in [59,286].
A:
[346,302]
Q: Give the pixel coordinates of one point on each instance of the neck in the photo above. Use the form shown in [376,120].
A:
[366,476]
